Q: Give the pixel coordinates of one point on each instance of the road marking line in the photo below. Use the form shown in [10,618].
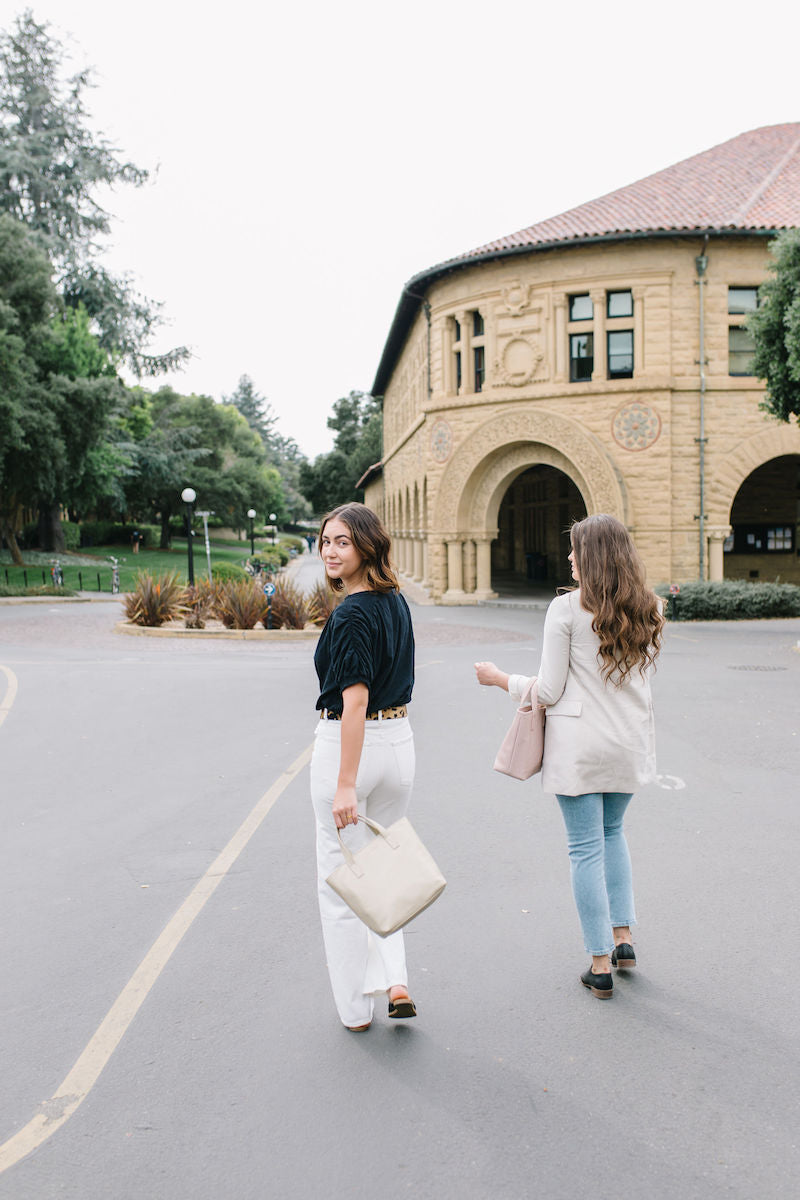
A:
[11,693]
[86,1071]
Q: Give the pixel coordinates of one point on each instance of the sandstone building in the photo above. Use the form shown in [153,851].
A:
[597,362]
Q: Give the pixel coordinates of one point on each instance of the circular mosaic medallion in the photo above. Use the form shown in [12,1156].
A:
[441,441]
[636,426]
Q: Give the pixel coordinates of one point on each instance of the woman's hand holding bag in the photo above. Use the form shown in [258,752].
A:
[522,751]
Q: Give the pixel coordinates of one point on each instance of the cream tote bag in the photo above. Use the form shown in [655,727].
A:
[389,881]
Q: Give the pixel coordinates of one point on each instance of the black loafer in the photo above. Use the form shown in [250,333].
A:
[601,986]
[623,957]
[403,1006]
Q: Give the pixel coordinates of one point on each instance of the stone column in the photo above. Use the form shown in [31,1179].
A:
[638,332]
[560,338]
[418,567]
[467,373]
[448,367]
[469,566]
[716,567]
[599,330]
[483,588]
[455,572]
[426,563]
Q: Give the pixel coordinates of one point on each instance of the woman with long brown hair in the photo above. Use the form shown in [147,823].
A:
[363,757]
[600,643]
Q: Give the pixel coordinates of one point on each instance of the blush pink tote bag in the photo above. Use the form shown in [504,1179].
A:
[521,753]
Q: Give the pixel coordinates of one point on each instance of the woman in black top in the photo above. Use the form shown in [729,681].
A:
[364,748]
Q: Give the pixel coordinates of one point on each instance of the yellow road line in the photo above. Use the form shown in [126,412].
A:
[11,693]
[80,1080]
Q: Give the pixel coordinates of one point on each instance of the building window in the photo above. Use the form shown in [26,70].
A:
[477,324]
[581,356]
[620,354]
[458,370]
[480,367]
[741,348]
[619,304]
[742,300]
[580,308]
[457,325]
[763,539]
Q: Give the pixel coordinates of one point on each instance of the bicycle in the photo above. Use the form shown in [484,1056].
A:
[56,574]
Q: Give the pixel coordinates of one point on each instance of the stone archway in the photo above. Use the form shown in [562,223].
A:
[477,477]
[726,483]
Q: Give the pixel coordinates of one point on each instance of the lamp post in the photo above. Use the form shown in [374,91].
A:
[251,512]
[272,520]
[188,496]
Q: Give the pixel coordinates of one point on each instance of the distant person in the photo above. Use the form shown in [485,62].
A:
[363,757]
[600,644]
[136,537]
[310,539]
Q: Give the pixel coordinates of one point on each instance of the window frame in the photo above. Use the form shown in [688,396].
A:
[610,374]
[740,374]
[573,378]
[626,316]
[580,296]
[738,287]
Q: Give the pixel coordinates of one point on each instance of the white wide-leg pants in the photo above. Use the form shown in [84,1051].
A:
[359,962]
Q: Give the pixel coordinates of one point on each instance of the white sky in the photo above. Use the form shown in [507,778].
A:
[314,156]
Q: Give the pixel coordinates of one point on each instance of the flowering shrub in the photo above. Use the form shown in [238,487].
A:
[289,607]
[321,602]
[240,604]
[154,599]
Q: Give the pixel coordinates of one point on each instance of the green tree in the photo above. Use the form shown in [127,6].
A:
[51,164]
[53,417]
[775,325]
[331,479]
[190,440]
[255,408]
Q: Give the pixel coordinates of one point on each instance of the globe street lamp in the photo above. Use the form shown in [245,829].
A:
[273,519]
[188,496]
[251,512]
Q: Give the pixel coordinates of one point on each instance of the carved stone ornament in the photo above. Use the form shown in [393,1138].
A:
[636,426]
[441,441]
[492,450]
[519,361]
[515,297]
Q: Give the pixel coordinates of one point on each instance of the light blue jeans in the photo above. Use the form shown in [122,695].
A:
[600,865]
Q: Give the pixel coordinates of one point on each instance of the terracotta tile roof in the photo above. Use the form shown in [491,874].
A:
[750,182]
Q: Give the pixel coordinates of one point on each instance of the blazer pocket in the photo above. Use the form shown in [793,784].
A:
[565,708]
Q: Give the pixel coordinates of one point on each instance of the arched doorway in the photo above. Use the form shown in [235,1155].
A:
[533,530]
[763,544]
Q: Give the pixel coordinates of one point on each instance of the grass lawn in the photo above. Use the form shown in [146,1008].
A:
[90,569]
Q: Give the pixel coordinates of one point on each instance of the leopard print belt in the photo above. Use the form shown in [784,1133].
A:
[386,714]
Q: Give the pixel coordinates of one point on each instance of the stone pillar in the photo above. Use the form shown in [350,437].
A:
[448,366]
[418,567]
[560,338]
[599,329]
[467,373]
[469,566]
[483,588]
[638,333]
[426,563]
[455,571]
[716,567]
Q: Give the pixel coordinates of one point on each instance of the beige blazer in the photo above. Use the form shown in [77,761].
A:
[598,738]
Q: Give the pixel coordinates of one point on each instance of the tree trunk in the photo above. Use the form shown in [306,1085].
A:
[51,535]
[8,535]
[166,533]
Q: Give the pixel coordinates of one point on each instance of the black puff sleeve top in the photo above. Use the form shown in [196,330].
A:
[367,639]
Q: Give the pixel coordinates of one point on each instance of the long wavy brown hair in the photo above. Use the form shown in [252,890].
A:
[626,613]
[371,541]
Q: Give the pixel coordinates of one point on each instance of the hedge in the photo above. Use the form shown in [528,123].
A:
[112,533]
[733,600]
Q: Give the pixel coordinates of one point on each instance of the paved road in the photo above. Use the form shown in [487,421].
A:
[127,766]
